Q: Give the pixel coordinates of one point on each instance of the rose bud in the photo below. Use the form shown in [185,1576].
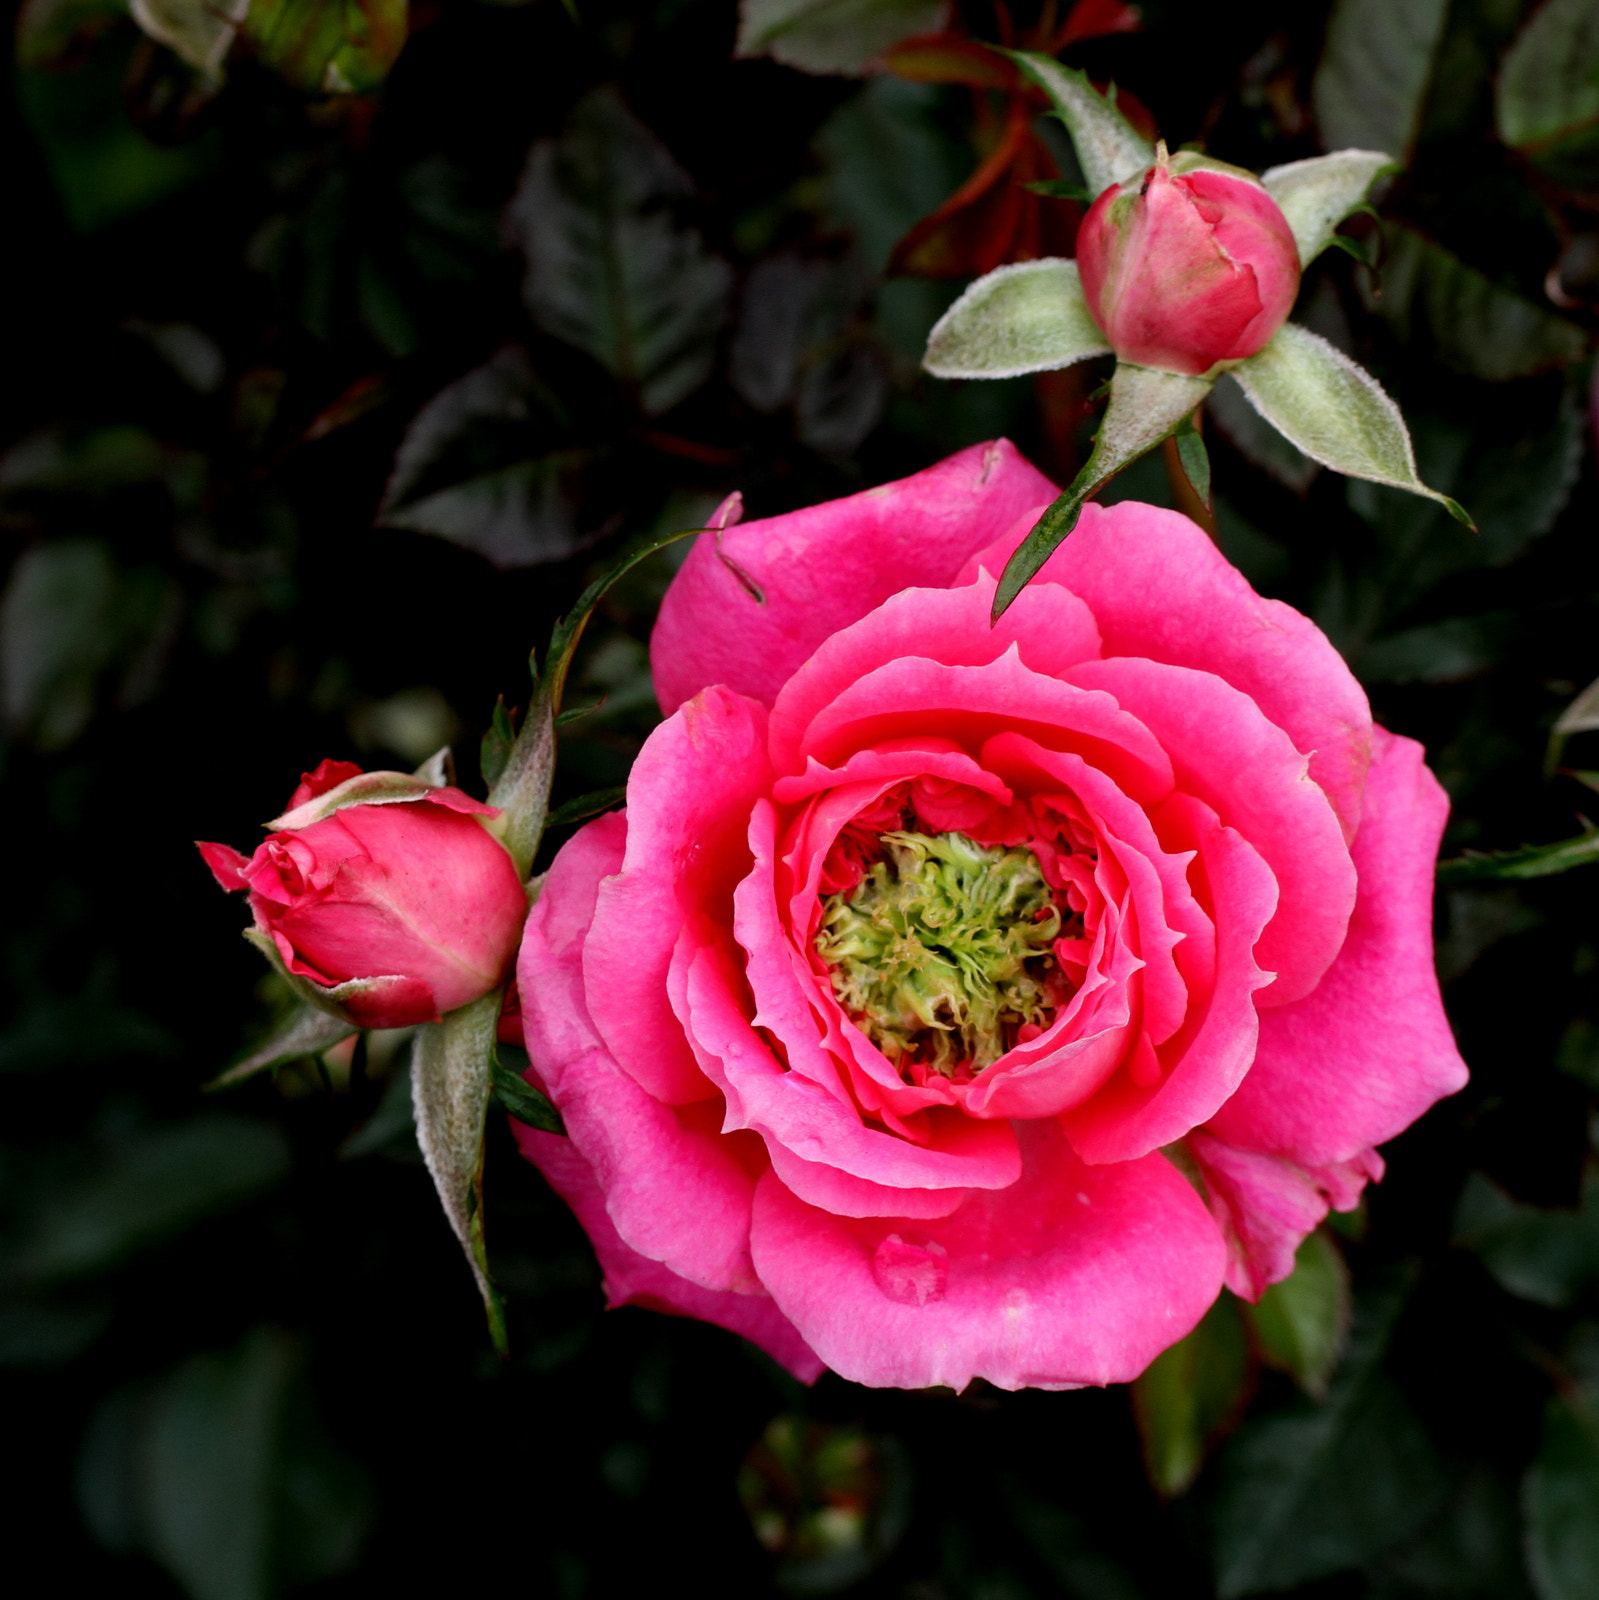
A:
[400,909]
[1190,264]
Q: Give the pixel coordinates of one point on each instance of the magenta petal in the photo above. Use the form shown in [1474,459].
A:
[912,697]
[674,1187]
[1206,1060]
[689,800]
[1050,628]
[1363,1056]
[632,1279]
[226,864]
[1159,588]
[794,1113]
[753,602]
[1075,1275]
[1248,772]
[1265,1205]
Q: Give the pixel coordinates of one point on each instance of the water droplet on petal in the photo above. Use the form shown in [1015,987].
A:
[911,1270]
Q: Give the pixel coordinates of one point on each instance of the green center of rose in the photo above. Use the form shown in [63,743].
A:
[941,954]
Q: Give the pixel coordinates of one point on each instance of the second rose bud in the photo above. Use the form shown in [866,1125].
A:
[1190,264]
[398,909]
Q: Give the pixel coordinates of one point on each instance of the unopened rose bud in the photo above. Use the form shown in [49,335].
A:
[1187,265]
[411,902]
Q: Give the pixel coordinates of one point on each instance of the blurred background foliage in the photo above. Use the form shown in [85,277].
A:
[344,337]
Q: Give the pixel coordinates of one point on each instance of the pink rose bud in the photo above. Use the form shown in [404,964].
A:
[1187,265]
[413,901]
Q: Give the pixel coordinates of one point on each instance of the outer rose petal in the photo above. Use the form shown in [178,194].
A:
[632,1279]
[689,799]
[675,1188]
[1158,587]
[1367,1052]
[1075,1275]
[1265,1206]
[822,568]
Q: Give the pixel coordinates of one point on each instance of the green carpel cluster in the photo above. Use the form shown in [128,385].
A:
[941,954]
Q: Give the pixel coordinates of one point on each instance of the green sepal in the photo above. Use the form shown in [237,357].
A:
[495,751]
[364,789]
[451,1080]
[323,997]
[587,805]
[306,1031]
[1195,458]
[1146,406]
[1531,861]
[1353,247]
[1335,412]
[1027,317]
[1581,716]
[522,790]
[518,1098]
[1109,149]
[1316,195]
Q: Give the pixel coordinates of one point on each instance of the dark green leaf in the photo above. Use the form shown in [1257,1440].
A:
[1560,1500]
[1475,325]
[479,466]
[1189,1394]
[151,1186]
[1301,1325]
[1548,93]
[832,35]
[1315,1489]
[612,268]
[327,46]
[1531,861]
[1194,457]
[222,1471]
[521,1100]
[1061,189]
[1373,74]
[587,805]
[1550,1257]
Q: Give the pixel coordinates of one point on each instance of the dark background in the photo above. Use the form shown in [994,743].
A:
[239,1350]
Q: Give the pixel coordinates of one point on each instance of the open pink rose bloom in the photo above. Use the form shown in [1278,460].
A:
[957,1001]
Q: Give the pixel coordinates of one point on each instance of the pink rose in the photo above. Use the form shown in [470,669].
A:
[1185,268]
[956,1001]
[401,909]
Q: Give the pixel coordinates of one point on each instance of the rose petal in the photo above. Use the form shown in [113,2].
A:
[675,1188]
[1074,1275]
[689,799]
[1050,629]
[1266,1206]
[1204,1062]
[915,697]
[1247,770]
[822,568]
[1362,1057]
[632,1279]
[1159,588]
[796,1115]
